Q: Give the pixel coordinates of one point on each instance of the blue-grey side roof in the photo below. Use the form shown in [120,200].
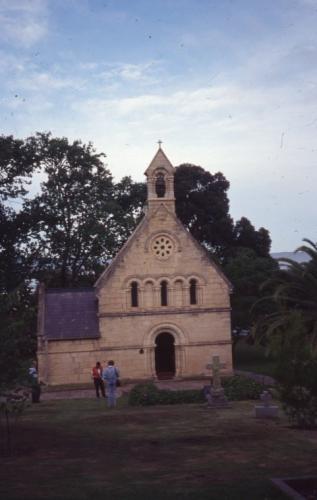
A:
[71,314]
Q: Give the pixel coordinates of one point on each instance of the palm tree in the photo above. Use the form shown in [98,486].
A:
[293,293]
[290,333]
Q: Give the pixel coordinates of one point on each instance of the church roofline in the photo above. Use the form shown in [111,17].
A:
[204,250]
[152,163]
[108,271]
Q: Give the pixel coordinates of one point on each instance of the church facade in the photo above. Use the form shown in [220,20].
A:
[161,309]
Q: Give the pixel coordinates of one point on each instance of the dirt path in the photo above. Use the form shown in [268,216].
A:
[173,385]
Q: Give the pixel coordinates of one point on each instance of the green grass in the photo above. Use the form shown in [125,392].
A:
[252,358]
[79,449]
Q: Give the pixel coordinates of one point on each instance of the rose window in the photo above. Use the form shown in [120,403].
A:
[162,247]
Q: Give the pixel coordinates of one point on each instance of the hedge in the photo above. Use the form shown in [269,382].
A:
[237,388]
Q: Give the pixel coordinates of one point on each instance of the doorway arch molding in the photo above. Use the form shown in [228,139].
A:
[180,340]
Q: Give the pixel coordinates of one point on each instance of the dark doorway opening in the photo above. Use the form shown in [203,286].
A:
[165,356]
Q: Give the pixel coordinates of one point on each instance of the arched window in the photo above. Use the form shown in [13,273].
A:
[178,293]
[160,186]
[149,294]
[164,293]
[193,291]
[134,294]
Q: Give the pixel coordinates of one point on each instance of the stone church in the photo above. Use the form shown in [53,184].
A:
[161,309]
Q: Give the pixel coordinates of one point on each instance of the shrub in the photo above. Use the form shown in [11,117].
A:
[143,395]
[12,404]
[236,388]
[297,378]
[148,394]
[239,388]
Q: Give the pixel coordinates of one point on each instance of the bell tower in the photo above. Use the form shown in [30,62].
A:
[160,182]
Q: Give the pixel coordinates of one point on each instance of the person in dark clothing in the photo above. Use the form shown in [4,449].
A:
[98,381]
[34,382]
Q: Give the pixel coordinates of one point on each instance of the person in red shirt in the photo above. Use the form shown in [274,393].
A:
[98,382]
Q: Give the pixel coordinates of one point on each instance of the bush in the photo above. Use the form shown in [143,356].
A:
[239,388]
[236,388]
[12,404]
[143,395]
[148,394]
[297,378]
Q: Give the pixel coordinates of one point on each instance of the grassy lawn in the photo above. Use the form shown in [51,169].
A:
[252,358]
[78,449]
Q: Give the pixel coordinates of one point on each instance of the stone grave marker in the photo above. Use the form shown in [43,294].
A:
[266,409]
[215,393]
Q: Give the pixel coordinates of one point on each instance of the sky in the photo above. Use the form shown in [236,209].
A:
[230,85]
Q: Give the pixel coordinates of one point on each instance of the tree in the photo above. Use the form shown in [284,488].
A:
[294,290]
[296,373]
[18,160]
[130,197]
[77,218]
[18,338]
[203,207]
[290,332]
[247,272]
[245,235]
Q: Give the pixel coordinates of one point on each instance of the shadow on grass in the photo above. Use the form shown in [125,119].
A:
[79,449]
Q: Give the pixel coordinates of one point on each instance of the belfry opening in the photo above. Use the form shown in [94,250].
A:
[165,356]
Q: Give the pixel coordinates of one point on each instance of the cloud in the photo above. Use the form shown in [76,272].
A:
[46,82]
[129,73]
[23,23]
[201,100]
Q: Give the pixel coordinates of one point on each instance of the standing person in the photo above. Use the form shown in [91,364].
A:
[35,385]
[111,376]
[97,378]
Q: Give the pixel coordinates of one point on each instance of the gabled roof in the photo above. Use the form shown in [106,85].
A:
[204,251]
[160,160]
[109,270]
[70,314]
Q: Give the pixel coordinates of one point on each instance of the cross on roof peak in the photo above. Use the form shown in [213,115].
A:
[159,143]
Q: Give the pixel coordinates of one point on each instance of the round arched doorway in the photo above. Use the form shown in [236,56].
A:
[165,356]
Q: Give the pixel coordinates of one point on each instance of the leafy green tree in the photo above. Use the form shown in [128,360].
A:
[245,235]
[130,197]
[295,290]
[290,333]
[202,205]
[17,338]
[18,160]
[296,373]
[77,220]
[247,272]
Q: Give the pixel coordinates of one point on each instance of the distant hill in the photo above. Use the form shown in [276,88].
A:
[297,256]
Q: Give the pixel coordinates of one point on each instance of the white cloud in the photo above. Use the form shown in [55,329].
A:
[46,82]
[145,73]
[23,23]
[30,6]
[182,102]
